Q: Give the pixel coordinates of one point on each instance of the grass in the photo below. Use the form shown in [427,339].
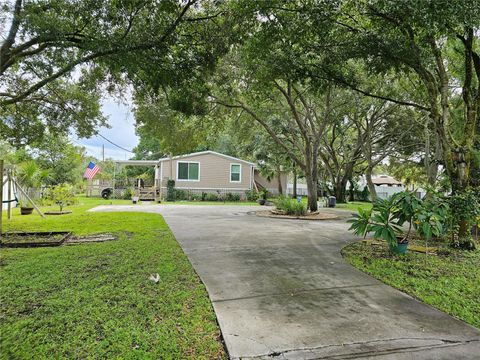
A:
[95,300]
[449,281]
[351,205]
[355,205]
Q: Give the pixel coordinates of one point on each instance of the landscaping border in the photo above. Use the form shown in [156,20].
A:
[66,235]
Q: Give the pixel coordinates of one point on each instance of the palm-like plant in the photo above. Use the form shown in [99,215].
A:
[382,220]
[30,175]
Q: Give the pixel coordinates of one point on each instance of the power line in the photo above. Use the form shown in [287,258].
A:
[111,142]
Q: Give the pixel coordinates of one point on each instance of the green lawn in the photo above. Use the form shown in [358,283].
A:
[354,205]
[449,282]
[351,205]
[95,300]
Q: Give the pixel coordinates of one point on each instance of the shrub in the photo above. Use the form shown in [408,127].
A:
[196,197]
[62,195]
[251,195]
[290,206]
[428,217]
[464,215]
[232,197]
[264,194]
[204,195]
[171,190]
[181,194]
[127,194]
[363,195]
[211,197]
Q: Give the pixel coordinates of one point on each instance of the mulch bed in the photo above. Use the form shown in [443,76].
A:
[310,216]
[34,239]
[57,212]
[53,238]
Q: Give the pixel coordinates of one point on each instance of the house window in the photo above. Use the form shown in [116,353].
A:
[188,171]
[235,172]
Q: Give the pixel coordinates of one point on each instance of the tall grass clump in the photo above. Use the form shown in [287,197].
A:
[290,206]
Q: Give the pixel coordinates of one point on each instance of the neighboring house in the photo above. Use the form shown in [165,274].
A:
[210,171]
[387,186]
[385,180]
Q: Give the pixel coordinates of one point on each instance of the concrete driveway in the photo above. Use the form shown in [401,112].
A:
[281,290]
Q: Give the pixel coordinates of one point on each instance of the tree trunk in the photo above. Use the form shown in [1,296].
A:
[279,179]
[312,192]
[371,185]
[340,193]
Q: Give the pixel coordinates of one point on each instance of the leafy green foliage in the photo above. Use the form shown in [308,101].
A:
[63,195]
[60,56]
[381,220]
[171,193]
[65,161]
[212,197]
[430,217]
[252,195]
[30,175]
[232,197]
[465,213]
[290,206]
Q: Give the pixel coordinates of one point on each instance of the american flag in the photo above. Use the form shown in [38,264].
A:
[91,170]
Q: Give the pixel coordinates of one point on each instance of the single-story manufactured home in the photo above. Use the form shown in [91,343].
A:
[209,172]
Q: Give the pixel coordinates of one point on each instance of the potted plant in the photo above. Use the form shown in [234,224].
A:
[25,209]
[263,196]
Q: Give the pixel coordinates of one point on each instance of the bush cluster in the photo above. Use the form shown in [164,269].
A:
[290,206]
[251,195]
[434,216]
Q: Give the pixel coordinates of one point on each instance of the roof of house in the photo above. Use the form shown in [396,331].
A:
[385,180]
[136,162]
[155,162]
[204,153]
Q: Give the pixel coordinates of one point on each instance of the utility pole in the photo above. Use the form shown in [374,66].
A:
[1,198]
[103,152]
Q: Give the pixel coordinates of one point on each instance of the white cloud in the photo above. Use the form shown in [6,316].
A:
[122,132]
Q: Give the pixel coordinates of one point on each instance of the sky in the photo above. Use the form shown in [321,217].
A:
[122,132]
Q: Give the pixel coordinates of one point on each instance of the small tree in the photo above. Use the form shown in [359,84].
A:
[62,195]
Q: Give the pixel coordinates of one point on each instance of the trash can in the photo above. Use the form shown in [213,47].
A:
[332,201]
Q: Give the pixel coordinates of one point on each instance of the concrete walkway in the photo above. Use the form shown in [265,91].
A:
[281,290]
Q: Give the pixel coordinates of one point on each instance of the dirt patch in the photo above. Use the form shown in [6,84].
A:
[34,239]
[41,239]
[58,212]
[310,216]
[91,238]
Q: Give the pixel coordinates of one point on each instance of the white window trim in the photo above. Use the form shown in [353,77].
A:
[189,162]
[240,177]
